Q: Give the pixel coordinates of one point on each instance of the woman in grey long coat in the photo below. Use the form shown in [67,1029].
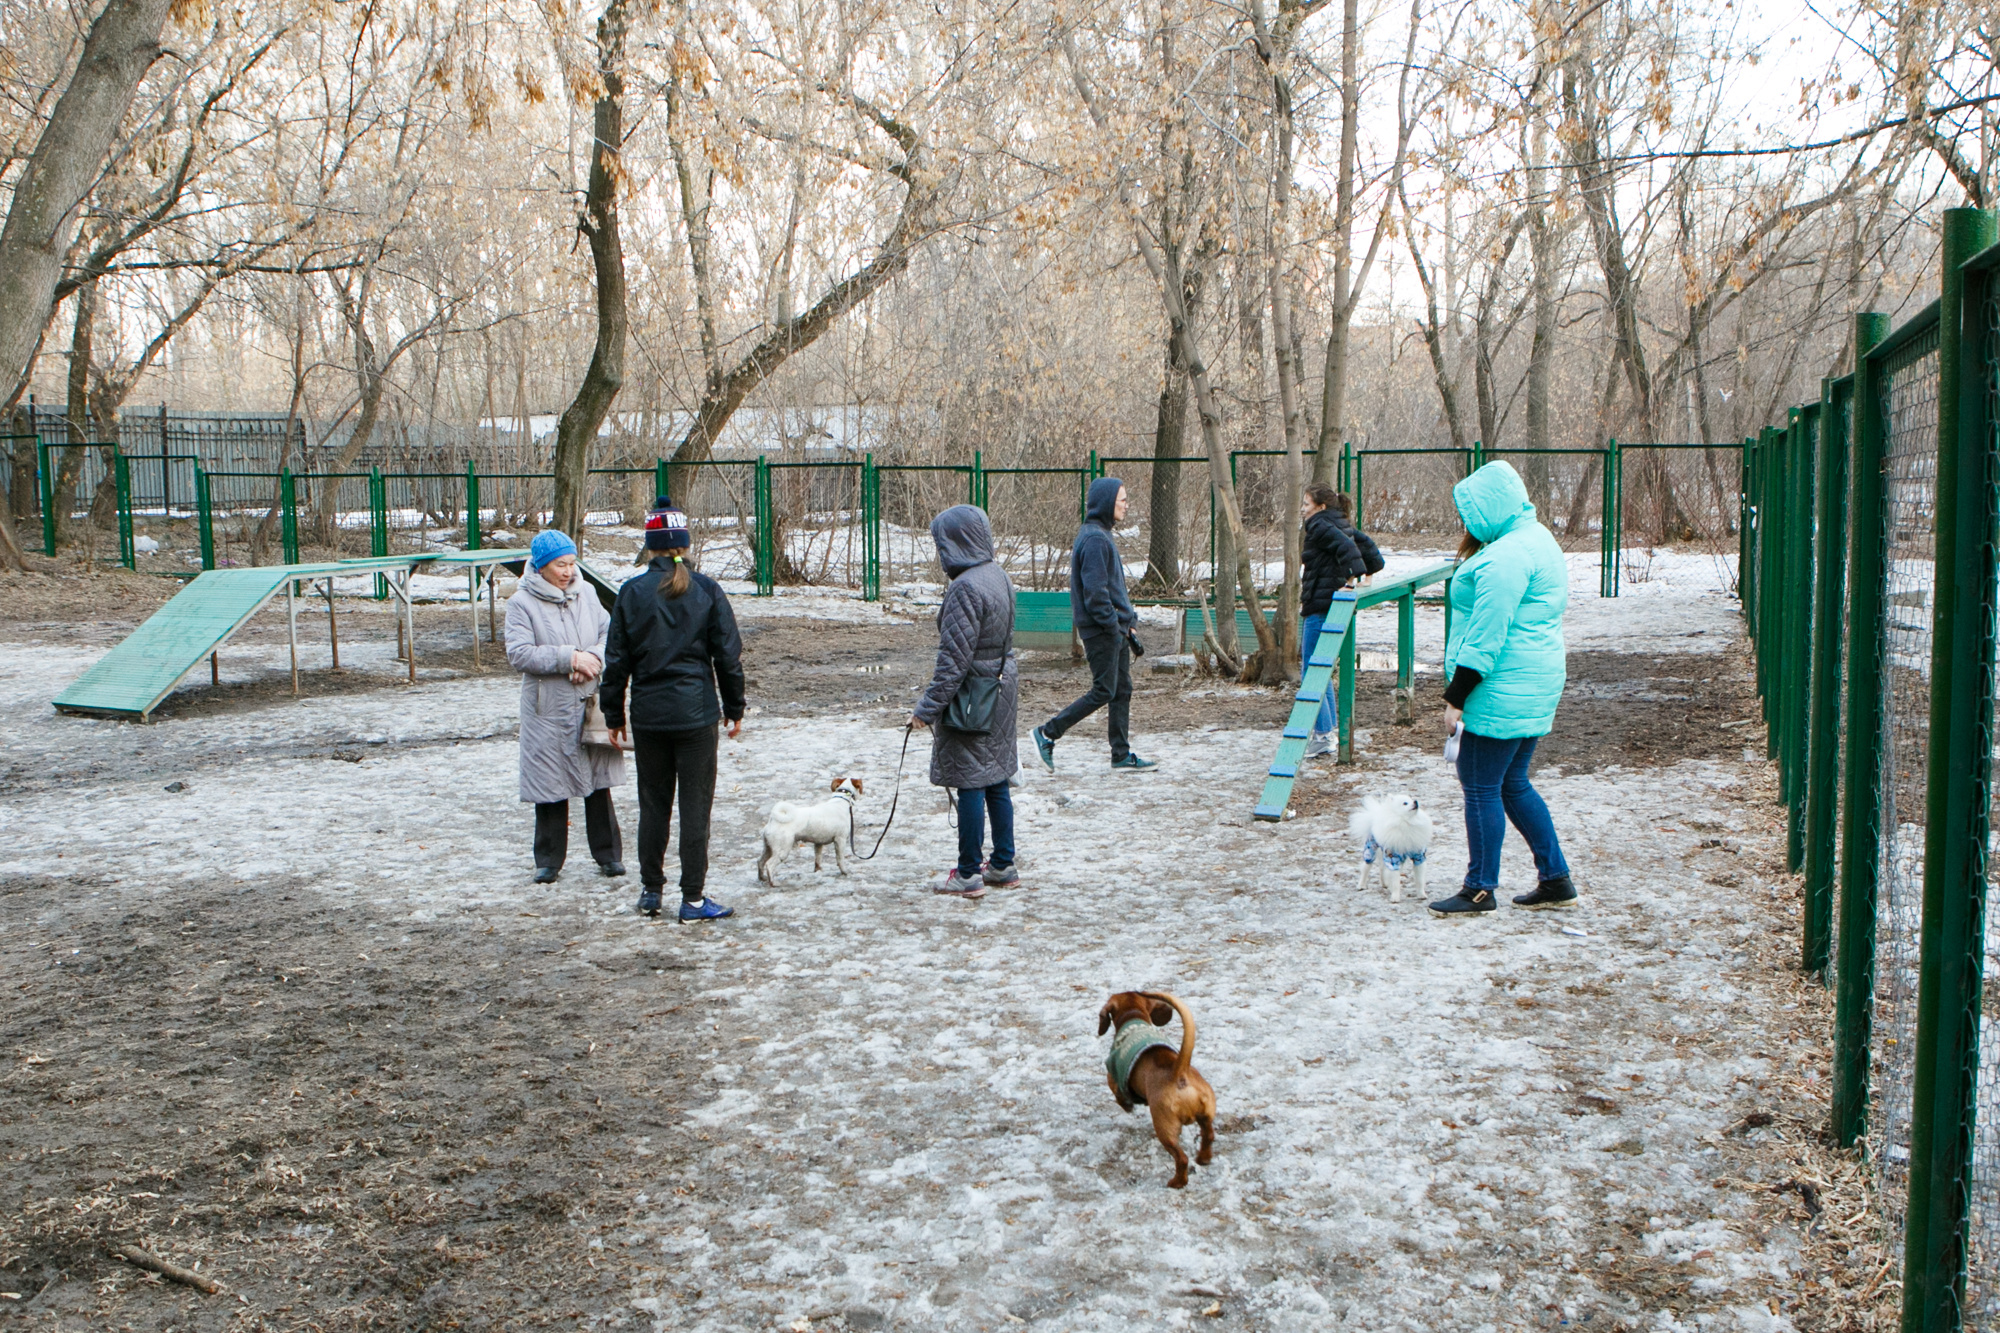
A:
[975,637]
[555,639]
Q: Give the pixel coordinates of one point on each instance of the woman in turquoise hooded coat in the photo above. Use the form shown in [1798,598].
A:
[1504,661]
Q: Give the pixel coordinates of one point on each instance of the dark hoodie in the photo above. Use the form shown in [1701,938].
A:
[975,637]
[1098,602]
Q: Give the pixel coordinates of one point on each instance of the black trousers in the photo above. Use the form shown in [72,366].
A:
[600,823]
[1110,660]
[666,760]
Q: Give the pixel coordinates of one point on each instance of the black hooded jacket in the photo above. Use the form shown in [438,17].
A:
[1331,559]
[1371,554]
[1098,602]
[674,652]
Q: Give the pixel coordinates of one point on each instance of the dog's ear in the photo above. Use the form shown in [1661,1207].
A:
[1104,1018]
[1163,1013]
[835,786]
[857,785]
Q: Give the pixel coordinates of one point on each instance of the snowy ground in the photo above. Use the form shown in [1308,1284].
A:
[898,1114]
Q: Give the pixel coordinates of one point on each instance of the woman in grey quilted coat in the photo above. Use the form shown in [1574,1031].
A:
[555,639]
[975,637]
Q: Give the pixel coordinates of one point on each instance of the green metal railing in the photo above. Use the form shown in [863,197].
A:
[1869,542]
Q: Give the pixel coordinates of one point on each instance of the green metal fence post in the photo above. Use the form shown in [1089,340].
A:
[764,559]
[378,526]
[1961,722]
[1359,488]
[1854,964]
[1823,719]
[1798,630]
[121,473]
[288,497]
[471,506]
[48,480]
[204,509]
[1478,454]
[662,479]
[976,482]
[1406,655]
[871,531]
[1771,538]
[1607,523]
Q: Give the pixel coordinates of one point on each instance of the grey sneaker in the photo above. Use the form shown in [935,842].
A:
[956,885]
[1000,877]
[1320,744]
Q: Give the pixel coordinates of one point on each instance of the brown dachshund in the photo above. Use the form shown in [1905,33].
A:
[1159,1076]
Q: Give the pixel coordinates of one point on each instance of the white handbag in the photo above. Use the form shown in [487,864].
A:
[596,731]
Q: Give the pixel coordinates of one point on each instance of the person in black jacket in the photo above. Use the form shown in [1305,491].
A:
[1102,612]
[1331,559]
[673,638]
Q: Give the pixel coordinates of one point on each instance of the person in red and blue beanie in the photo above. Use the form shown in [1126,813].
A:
[673,640]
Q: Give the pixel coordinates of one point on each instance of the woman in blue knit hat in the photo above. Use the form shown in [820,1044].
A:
[555,639]
[673,640]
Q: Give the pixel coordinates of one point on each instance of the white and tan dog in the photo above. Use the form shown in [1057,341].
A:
[1394,831]
[824,824]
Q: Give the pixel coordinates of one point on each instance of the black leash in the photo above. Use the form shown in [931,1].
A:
[907,729]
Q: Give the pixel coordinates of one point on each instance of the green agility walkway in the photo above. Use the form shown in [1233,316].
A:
[1317,676]
[133,678]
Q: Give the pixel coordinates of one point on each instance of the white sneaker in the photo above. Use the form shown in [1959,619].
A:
[1320,744]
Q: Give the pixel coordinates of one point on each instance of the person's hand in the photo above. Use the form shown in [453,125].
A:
[918,724]
[1138,649]
[733,728]
[583,665]
[1451,717]
[617,736]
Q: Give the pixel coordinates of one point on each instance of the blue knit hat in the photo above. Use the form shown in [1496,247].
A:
[549,544]
[667,527]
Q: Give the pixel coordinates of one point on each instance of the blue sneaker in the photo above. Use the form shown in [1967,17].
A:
[649,902]
[1132,763]
[1046,748]
[706,910]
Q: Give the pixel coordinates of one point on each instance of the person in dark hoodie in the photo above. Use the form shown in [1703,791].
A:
[975,638]
[1342,509]
[1102,612]
[1331,560]
[673,639]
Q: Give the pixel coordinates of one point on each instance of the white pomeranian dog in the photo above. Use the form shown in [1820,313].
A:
[1394,832]
[825,824]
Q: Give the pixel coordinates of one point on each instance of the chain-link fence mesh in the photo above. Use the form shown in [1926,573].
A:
[1909,399]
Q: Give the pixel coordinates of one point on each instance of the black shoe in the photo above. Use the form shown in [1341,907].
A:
[611,869]
[1465,902]
[1557,892]
[547,874]
[649,902]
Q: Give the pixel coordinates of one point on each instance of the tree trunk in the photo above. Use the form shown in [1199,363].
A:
[69,472]
[123,43]
[1333,385]
[1163,553]
[601,382]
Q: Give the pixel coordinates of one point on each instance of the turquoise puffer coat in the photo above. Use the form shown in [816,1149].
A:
[1507,605]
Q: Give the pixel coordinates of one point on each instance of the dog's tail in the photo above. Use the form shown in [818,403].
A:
[1187,1031]
[1360,823]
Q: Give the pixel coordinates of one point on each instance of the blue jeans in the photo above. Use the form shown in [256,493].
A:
[973,805]
[1494,776]
[1329,704]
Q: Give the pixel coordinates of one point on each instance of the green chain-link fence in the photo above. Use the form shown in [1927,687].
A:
[1869,543]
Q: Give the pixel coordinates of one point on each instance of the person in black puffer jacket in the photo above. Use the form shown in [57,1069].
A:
[1331,560]
[673,638]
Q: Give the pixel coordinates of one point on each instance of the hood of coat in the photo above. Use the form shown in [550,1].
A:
[1493,501]
[535,585]
[1101,500]
[964,538]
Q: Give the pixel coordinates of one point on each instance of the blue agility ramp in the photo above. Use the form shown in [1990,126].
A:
[1277,793]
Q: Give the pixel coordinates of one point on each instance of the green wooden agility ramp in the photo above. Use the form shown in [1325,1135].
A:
[1317,676]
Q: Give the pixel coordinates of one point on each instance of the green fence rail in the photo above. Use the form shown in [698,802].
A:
[1869,571]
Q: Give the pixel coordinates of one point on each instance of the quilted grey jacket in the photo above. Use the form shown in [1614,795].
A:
[545,624]
[975,633]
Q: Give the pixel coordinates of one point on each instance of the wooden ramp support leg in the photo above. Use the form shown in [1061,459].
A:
[292,628]
[472,604]
[410,622]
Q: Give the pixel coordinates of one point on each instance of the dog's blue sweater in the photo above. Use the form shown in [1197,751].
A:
[1371,849]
